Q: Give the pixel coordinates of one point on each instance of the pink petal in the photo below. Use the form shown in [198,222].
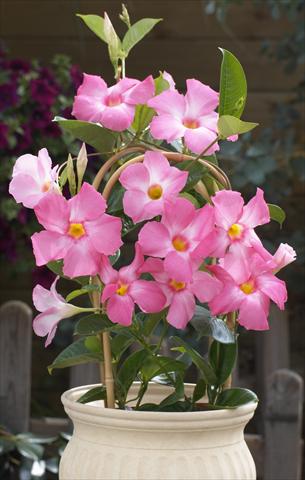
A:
[155,240]
[198,139]
[203,223]
[220,242]
[118,118]
[228,208]
[134,203]
[178,215]
[88,204]
[105,233]
[155,266]
[166,127]
[107,273]
[45,322]
[131,272]
[141,92]
[88,103]
[135,177]
[26,164]
[236,263]
[42,298]
[167,76]
[92,86]
[25,189]
[178,266]
[284,255]
[109,291]
[81,259]
[274,288]
[205,286]
[48,246]
[44,164]
[200,99]
[169,102]
[253,312]
[147,295]
[53,213]
[171,179]
[120,309]
[181,309]
[256,212]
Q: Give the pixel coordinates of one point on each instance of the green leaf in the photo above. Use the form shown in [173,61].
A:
[95,23]
[114,43]
[114,258]
[92,324]
[195,172]
[75,354]
[56,267]
[208,326]
[190,198]
[150,322]
[115,201]
[138,31]
[81,165]
[158,365]
[129,371]
[233,86]
[175,396]
[199,390]
[119,345]
[143,113]
[229,125]
[204,367]
[222,358]
[124,16]
[29,450]
[234,397]
[277,213]
[95,393]
[98,137]
[75,294]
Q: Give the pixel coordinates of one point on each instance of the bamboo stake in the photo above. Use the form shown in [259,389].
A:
[231,326]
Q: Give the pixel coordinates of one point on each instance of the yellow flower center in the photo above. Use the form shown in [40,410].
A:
[123,289]
[46,187]
[189,123]
[247,287]
[177,286]
[155,192]
[76,230]
[235,231]
[179,243]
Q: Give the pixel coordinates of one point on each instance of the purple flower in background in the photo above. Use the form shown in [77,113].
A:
[24,139]
[18,67]
[40,118]
[42,91]
[76,76]
[3,136]
[7,240]
[8,95]
[52,130]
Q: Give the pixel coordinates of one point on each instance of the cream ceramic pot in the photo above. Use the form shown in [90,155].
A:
[112,444]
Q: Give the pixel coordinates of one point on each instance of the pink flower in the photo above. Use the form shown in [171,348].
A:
[235,221]
[33,178]
[76,230]
[191,116]
[180,296]
[248,287]
[149,185]
[124,288]
[284,255]
[176,238]
[112,107]
[53,308]
[167,76]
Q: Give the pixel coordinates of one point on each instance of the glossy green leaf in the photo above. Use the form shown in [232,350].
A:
[114,43]
[195,172]
[56,267]
[199,390]
[233,86]
[75,354]
[209,326]
[29,450]
[158,365]
[115,201]
[138,31]
[95,393]
[175,396]
[222,358]
[128,372]
[92,324]
[277,213]
[119,344]
[234,397]
[229,125]
[98,137]
[95,23]
[204,367]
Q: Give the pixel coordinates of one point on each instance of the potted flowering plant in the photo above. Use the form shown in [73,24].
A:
[161,197]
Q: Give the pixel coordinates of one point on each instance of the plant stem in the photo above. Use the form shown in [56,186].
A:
[231,321]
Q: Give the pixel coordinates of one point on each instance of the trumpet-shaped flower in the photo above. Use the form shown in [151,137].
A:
[33,178]
[53,308]
[284,255]
[182,231]
[235,221]
[180,296]
[249,285]
[191,116]
[76,230]
[149,185]
[123,289]
[113,107]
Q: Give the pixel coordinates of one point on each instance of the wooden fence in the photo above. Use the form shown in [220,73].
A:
[277,449]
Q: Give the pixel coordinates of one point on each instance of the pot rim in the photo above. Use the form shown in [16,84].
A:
[131,419]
